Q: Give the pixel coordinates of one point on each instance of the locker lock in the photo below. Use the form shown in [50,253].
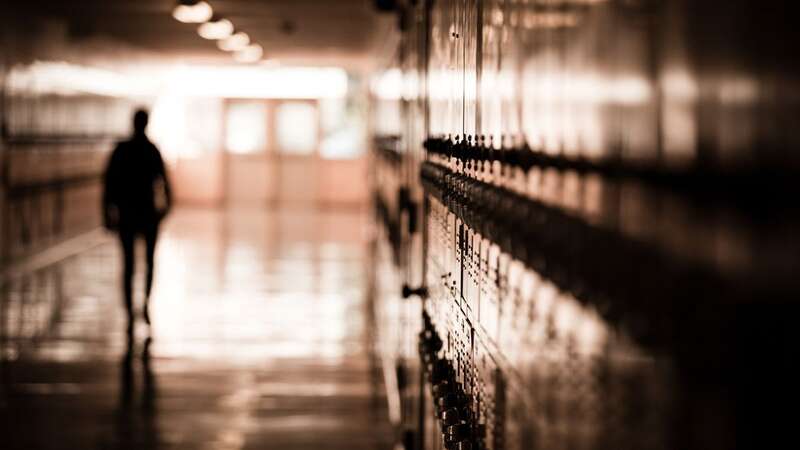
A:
[428,351]
[427,356]
[464,445]
[439,371]
[452,416]
[450,400]
[420,291]
[441,389]
[429,345]
[457,433]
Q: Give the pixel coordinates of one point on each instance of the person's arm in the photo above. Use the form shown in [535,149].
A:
[161,170]
[110,193]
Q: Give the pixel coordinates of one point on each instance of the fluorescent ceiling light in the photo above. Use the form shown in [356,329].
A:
[255,81]
[61,78]
[218,29]
[192,12]
[235,42]
[250,54]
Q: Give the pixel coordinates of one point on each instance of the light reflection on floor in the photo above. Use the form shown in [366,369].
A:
[259,340]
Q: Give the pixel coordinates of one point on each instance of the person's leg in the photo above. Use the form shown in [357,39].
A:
[151,237]
[127,239]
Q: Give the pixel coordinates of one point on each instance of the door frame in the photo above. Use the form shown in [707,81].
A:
[272,156]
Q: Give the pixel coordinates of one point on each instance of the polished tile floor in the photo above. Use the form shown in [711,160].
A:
[260,339]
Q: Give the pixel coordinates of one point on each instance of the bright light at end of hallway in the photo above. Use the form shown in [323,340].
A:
[246,123]
[168,127]
[62,78]
[258,82]
[173,127]
[192,11]
[388,85]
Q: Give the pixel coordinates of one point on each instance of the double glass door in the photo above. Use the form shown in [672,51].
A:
[272,152]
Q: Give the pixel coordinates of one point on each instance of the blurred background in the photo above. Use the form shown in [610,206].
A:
[260,111]
[418,224]
[232,133]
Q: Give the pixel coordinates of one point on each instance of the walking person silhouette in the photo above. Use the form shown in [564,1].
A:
[136,198]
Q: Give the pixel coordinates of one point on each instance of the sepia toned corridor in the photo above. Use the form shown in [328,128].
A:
[399,224]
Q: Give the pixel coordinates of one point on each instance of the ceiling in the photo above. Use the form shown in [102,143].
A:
[349,33]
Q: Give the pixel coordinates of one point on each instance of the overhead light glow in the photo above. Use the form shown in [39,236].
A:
[192,11]
[215,29]
[388,85]
[255,81]
[235,42]
[250,54]
[61,78]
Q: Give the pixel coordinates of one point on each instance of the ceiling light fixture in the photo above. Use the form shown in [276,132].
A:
[235,42]
[216,28]
[250,54]
[192,11]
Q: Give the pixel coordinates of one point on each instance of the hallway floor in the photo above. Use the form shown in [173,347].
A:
[260,340]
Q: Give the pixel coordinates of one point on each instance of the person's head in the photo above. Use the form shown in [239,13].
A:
[140,118]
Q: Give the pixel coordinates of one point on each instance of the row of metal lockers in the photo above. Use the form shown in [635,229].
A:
[586,224]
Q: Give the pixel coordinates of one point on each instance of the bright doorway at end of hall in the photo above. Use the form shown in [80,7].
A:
[286,153]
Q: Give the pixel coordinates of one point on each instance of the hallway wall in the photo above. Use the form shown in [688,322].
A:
[60,118]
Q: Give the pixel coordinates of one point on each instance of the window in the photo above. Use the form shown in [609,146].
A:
[246,127]
[296,127]
[342,128]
